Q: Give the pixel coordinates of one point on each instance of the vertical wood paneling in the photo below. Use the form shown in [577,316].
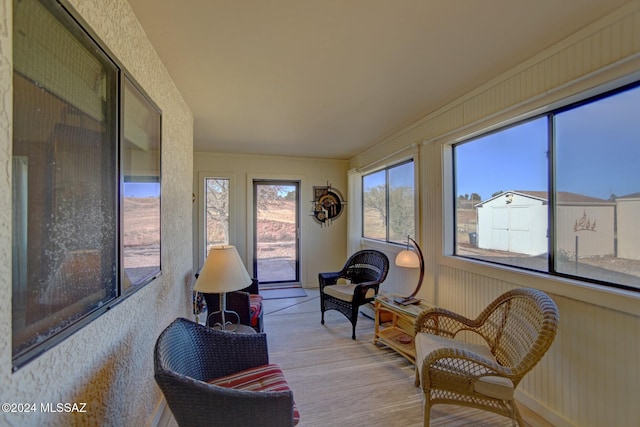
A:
[590,375]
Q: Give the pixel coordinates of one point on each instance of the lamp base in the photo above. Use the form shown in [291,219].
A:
[406,301]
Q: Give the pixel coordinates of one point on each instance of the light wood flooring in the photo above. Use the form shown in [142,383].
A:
[340,382]
[337,381]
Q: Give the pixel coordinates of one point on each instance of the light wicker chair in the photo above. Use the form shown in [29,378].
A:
[517,329]
[364,270]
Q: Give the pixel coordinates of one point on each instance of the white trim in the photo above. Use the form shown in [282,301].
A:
[543,411]
[603,296]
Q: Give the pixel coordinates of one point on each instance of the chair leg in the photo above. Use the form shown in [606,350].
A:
[426,410]
[416,382]
[353,331]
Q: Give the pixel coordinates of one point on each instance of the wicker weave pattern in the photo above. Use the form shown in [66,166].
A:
[519,327]
[187,355]
[367,268]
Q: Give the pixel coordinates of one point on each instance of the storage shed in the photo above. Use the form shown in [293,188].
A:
[517,221]
[628,230]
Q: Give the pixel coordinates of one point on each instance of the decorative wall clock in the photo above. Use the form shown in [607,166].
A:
[328,204]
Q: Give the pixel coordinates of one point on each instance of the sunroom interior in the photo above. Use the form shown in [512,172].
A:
[334,95]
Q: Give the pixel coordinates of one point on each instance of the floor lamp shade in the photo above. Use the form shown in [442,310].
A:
[223,271]
[411,259]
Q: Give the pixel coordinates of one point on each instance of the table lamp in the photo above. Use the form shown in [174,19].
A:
[223,272]
[411,259]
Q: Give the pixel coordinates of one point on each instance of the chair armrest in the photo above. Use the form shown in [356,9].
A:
[326,279]
[223,406]
[361,289]
[440,321]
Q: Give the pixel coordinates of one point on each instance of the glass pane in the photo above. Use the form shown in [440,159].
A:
[501,204]
[141,202]
[401,203]
[276,232]
[217,212]
[374,198]
[598,190]
[64,176]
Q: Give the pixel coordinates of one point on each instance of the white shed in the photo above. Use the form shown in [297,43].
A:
[517,221]
[628,230]
[513,222]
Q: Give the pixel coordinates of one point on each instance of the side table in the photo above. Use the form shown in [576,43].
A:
[397,334]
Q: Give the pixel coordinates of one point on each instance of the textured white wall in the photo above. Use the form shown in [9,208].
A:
[590,377]
[109,363]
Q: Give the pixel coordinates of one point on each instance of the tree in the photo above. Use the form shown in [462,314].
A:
[217,211]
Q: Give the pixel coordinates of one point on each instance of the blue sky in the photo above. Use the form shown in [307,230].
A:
[141,189]
[597,153]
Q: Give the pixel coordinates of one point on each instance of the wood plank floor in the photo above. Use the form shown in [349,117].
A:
[338,381]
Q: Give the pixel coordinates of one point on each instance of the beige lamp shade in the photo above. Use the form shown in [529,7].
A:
[223,271]
[407,258]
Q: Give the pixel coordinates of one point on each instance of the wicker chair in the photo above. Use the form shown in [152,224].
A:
[364,271]
[518,328]
[189,355]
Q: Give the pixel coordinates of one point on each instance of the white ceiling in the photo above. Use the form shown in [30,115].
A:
[329,78]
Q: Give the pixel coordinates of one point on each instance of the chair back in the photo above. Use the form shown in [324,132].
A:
[178,349]
[520,326]
[368,265]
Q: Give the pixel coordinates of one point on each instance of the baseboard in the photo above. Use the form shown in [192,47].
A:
[161,415]
[541,410]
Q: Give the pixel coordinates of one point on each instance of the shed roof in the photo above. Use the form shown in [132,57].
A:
[562,197]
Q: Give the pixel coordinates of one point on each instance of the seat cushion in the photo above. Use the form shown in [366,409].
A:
[255,307]
[345,292]
[261,378]
[490,385]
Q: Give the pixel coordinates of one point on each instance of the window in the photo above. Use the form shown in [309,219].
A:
[67,210]
[558,194]
[140,160]
[389,204]
[216,219]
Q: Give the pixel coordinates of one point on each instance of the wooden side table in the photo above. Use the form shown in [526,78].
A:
[397,334]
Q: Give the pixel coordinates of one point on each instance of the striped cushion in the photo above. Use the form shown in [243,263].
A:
[255,306]
[261,378]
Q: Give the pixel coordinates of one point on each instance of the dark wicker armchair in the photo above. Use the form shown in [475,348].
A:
[246,302]
[188,356]
[363,271]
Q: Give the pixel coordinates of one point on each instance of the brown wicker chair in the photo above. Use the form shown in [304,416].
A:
[188,356]
[365,270]
[518,328]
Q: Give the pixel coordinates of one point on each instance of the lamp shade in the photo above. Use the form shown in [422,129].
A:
[407,258]
[223,271]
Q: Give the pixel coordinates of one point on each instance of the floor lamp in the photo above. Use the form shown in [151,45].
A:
[223,272]
[410,259]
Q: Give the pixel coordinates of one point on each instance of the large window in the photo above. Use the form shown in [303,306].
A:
[389,204]
[559,193]
[72,195]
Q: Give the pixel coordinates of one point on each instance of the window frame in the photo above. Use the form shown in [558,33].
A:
[386,170]
[60,331]
[449,157]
